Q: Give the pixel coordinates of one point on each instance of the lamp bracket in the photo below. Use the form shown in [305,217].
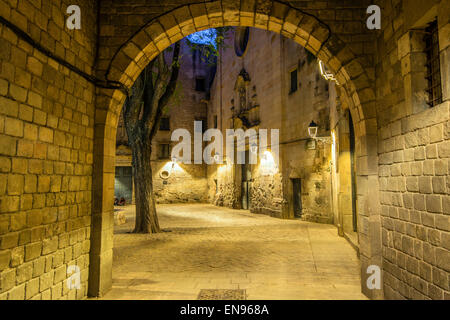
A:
[324,139]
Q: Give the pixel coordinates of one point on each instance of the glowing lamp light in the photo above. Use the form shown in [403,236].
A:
[268,165]
[169,168]
[312,129]
[327,75]
[254,148]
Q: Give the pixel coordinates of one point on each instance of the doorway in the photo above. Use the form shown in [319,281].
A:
[353,170]
[297,194]
[123,184]
[246,182]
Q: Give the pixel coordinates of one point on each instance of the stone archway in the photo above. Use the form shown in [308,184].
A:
[152,38]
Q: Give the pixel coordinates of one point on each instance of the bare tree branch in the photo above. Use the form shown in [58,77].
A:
[132,109]
[170,89]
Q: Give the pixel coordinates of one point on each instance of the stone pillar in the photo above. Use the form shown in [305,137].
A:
[100,271]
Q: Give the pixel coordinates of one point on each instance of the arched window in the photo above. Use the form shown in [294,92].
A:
[241,40]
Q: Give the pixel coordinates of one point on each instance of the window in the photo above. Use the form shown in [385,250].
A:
[434,88]
[200,84]
[164,125]
[215,122]
[294,82]
[164,151]
[127,171]
[241,40]
[204,125]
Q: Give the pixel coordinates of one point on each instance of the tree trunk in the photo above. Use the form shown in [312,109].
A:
[146,218]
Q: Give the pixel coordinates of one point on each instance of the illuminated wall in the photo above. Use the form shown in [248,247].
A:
[269,60]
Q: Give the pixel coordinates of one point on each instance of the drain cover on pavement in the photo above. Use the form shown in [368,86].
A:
[222,294]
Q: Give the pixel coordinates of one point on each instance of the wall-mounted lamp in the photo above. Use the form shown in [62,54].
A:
[327,75]
[312,131]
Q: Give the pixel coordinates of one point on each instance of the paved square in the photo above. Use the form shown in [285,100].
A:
[208,247]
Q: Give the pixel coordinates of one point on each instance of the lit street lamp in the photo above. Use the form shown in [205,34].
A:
[312,131]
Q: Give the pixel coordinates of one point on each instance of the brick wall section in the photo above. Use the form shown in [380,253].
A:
[46,141]
[413,162]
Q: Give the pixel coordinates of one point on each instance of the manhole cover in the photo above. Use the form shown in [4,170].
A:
[222,294]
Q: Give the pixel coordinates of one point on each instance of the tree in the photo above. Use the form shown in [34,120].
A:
[142,113]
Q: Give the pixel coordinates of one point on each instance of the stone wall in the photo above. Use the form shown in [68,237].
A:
[269,59]
[413,154]
[313,100]
[46,145]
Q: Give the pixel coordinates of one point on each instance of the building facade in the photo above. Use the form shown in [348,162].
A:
[188,104]
[267,81]
[62,91]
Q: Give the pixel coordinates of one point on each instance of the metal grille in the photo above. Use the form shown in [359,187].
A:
[222,294]
[164,151]
[433,64]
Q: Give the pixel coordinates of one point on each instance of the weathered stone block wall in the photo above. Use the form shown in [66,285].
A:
[266,193]
[269,59]
[186,183]
[46,142]
[413,154]
[224,190]
[262,63]
[313,100]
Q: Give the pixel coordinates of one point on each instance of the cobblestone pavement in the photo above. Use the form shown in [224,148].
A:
[208,247]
